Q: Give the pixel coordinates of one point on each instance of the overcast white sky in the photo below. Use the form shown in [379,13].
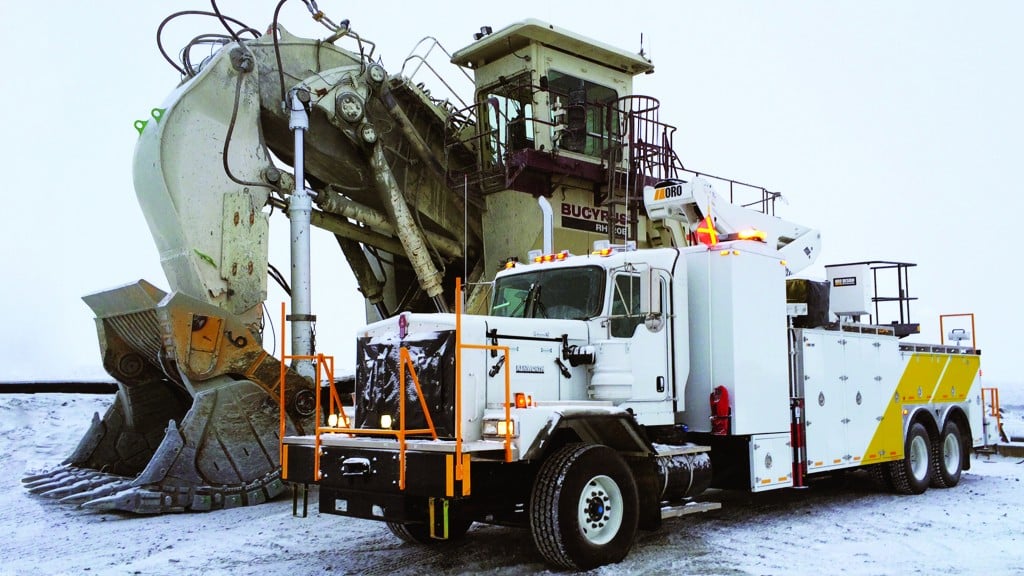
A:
[893,127]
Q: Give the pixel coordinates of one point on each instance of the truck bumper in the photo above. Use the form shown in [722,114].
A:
[370,483]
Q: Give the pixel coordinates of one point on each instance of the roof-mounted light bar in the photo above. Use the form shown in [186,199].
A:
[538,256]
[606,248]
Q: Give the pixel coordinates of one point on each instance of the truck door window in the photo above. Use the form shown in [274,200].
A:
[625,312]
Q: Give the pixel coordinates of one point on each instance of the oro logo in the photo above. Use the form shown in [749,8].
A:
[668,192]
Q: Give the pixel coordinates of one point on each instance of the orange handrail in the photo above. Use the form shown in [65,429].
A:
[992,403]
[508,394]
[281,415]
[406,361]
[459,346]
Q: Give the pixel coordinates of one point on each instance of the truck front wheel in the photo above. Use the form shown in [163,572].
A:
[583,508]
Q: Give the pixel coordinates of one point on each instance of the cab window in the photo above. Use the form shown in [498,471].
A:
[508,116]
[581,111]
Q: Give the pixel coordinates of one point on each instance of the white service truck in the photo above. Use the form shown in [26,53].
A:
[606,391]
[583,396]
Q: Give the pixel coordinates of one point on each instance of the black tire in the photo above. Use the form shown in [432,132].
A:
[584,507]
[913,473]
[947,457]
[420,533]
[880,477]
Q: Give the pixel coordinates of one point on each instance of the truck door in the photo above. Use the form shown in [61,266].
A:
[647,347]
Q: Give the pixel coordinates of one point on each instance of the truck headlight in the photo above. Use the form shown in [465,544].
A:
[385,421]
[499,427]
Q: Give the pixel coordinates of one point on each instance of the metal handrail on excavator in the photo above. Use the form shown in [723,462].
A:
[422,59]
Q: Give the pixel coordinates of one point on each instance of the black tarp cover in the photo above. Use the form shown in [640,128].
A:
[378,383]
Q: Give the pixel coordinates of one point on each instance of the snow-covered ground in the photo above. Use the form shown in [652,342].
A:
[839,526]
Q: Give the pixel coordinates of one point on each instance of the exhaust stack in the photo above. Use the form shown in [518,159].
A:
[549,224]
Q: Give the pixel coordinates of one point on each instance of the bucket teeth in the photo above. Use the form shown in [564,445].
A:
[91,479]
[113,484]
[59,481]
[128,500]
[47,475]
[223,454]
[64,490]
[184,431]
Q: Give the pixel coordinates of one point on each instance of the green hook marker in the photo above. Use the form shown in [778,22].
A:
[140,125]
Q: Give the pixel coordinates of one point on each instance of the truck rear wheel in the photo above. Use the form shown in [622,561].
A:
[946,457]
[584,507]
[912,474]
[881,477]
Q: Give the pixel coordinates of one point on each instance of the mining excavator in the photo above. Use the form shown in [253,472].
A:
[418,186]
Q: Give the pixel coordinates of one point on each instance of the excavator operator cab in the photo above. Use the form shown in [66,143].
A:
[542,90]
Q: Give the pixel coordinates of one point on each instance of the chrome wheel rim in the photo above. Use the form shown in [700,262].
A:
[919,457]
[951,453]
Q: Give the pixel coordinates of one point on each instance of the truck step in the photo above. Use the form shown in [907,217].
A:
[688,508]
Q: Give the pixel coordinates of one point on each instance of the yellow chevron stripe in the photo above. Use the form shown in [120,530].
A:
[957,380]
[919,379]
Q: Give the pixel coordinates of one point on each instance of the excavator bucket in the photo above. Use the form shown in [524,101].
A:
[196,421]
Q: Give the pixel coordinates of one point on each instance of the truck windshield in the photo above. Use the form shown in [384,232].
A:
[564,293]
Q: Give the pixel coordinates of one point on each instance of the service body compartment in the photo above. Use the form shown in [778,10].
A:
[771,462]
[737,308]
[849,383]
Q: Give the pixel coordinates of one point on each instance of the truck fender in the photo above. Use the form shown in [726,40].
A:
[617,430]
[924,415]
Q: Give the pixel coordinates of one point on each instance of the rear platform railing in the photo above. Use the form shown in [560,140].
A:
[990,409]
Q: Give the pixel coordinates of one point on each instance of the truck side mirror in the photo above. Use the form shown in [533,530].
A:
[650,300]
